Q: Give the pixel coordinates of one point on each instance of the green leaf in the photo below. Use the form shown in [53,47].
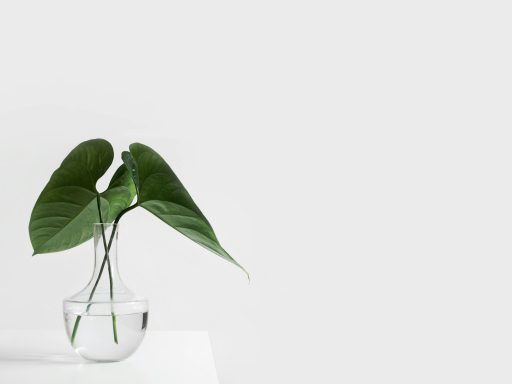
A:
[131,166]
[119,194]
[63,215]
[161,193]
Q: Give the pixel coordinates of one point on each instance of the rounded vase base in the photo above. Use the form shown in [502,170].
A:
[95,340]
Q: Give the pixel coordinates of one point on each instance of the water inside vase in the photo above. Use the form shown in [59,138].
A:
[95,338]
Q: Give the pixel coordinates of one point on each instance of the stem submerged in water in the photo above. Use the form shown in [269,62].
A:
[114,327]
[75,328]
[105,259]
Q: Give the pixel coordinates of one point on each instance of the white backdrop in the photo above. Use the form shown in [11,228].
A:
[355,157]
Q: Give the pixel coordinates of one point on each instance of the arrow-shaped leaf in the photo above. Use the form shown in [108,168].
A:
[63,215]
[162,193]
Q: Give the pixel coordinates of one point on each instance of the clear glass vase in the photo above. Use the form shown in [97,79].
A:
[105,321]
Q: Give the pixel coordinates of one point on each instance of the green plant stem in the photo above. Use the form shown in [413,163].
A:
[105,258]
[111,281]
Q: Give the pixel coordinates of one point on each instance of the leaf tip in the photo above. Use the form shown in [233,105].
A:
[245,271]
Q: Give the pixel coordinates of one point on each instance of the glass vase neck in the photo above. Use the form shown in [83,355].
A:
[106,271]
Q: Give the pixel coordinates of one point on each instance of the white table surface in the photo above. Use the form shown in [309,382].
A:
[164,357]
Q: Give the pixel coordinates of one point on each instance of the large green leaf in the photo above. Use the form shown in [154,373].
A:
[67,207]
[161,193]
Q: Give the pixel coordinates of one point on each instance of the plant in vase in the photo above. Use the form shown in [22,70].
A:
[106,321]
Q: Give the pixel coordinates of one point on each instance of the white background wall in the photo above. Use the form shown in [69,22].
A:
[355,157]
